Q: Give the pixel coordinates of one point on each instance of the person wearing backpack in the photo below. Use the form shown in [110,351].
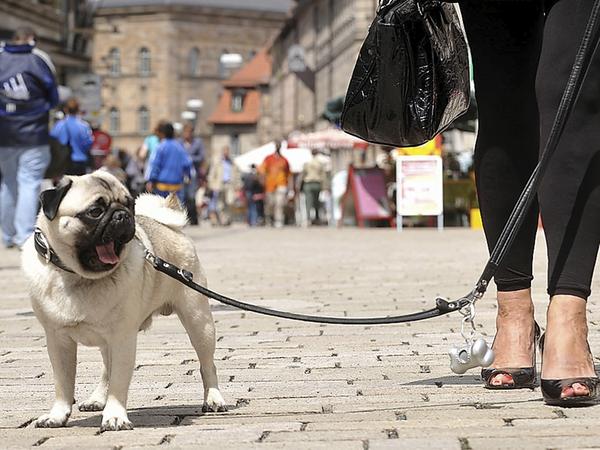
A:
[28,91]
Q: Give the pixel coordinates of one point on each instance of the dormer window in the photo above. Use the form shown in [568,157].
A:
[237,102]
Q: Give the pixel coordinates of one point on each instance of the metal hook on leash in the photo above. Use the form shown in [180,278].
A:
[474,352]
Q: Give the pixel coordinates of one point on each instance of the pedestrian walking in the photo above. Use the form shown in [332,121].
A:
[28,91]
[136,182]
[253,192]
[76,133]
[223,180]
[275,170]
[195,148]
[313,178]
[170,165]
[149,146]
[523,53]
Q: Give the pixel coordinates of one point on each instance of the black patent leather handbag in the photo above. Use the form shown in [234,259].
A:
[411,80]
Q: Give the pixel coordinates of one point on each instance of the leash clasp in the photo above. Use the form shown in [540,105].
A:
[150,257]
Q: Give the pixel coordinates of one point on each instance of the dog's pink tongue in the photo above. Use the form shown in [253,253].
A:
[106,253]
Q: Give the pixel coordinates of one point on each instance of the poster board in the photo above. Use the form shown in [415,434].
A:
[420,190]
[366,197]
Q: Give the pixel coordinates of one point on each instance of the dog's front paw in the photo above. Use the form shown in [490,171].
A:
[91,405]
[52,421]
[214,402]
[115,421]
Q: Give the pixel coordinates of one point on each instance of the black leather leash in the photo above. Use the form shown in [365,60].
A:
[187,278]
[591,38]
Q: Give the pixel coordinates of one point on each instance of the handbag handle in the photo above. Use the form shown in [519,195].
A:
[423,6]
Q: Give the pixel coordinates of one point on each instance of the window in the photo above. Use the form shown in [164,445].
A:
[235,145]
[194,61]
[114,120]
[114,61]
[143,119]
[237,102]
[144,61]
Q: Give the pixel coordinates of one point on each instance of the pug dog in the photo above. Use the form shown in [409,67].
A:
[90,285]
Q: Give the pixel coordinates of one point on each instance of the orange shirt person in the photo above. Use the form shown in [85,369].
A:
[276,172]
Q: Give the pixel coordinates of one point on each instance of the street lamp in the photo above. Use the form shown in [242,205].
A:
[189,115]
[194,104]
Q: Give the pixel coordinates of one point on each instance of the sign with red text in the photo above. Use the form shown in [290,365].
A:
[420,188]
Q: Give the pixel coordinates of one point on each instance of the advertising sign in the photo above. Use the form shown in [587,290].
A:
[420,189]
[366,197]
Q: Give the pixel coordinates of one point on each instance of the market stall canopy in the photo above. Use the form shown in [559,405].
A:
[330,138]
[296,157]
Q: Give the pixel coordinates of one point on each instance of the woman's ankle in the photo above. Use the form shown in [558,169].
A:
[566,350]
[515,306]
[514,343]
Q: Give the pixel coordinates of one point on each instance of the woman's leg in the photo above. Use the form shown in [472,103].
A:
[569,195]
[505,40]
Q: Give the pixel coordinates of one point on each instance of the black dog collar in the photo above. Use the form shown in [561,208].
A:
[45,251]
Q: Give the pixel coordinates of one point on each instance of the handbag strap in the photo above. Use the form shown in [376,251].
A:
[423,6]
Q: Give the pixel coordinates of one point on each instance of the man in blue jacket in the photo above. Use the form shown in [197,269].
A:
[170,166]
[77,133]
[28,91]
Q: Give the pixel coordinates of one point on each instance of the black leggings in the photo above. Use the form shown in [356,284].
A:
[523,52]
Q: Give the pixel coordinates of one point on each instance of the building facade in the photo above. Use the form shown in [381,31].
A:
[166,59]
[313,59]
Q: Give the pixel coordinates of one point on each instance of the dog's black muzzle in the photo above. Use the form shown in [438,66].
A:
[116,225]
[109,232]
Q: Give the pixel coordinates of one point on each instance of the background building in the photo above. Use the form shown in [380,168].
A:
[62,27]
[163,58]
[313,58]
[241,119]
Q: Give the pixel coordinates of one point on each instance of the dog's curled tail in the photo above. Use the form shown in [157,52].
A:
[167,211]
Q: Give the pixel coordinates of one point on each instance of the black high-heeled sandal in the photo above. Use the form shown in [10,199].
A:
[552,389]
[522,377]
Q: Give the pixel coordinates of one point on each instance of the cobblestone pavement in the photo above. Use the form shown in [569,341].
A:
[298,385]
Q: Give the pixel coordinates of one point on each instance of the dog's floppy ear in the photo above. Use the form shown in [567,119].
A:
[52,198]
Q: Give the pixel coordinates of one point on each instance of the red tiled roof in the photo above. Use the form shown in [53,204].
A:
[223,115]
[255,73]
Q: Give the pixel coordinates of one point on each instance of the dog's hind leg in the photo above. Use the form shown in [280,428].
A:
[62,351]
[194,312]
[97,400]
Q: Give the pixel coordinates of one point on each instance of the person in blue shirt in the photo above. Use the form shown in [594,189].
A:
[149,147]
[28,91]
[170,166]
[77,133]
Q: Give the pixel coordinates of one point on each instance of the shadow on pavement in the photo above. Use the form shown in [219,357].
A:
[451,379]
[153,416]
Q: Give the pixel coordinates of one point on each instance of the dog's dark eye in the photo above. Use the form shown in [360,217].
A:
[95,212]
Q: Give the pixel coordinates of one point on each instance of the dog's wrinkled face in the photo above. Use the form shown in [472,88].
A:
[88,221]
